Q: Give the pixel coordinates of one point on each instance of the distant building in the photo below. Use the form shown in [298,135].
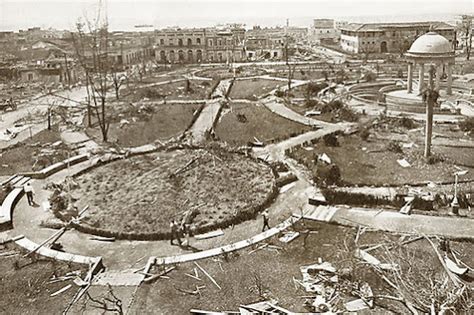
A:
[196,45]
[324,30]
[388,37]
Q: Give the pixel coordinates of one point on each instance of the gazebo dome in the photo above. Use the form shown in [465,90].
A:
[431,43]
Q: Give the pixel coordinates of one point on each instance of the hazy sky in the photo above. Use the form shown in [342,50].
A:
[15,14]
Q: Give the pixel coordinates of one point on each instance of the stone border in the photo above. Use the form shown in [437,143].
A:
[250,213]
[57,255]
[226,248]
[50,170]
[6,209]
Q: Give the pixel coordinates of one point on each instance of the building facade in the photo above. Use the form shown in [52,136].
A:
[221,44]
[324,30]
[388,37]
[196,45]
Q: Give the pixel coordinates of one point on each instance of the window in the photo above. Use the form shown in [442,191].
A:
[219,42]
[180,42]
[198,41]
[190,42]
[209,42]
[162,41]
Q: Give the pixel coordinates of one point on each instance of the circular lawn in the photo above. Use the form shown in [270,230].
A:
[135,198]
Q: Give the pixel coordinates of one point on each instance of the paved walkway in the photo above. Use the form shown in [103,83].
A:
[209,114]
[391,221]
[38,106]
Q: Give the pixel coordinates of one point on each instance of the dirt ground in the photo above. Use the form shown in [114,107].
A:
[166,121]
[141,194]
[225,73]
[371,163]
[171,91]
[25,284]
[22,156]
[253,88]
[240,124]
[272,271]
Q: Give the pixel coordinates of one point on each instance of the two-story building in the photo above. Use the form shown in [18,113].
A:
[388,37]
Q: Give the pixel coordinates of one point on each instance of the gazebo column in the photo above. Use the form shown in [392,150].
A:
[410,78]
[449,89]
[439,73]
[421,78]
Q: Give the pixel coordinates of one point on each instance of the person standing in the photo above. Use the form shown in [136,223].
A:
[29,193]
[265,220]
[174,232]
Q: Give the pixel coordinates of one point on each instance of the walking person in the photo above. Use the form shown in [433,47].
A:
[174,232]
[265,220]
[29,193]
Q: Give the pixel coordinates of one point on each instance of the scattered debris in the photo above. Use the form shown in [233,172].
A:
[289,236]
[361,254]
[211,234]
[406,209]
[61,290]
[154,277]
[102,238]
[325,158]
[403,163]
[207,275]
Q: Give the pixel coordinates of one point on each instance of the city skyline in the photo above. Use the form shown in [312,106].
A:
[123,15]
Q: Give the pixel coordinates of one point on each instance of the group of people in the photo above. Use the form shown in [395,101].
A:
[178,230]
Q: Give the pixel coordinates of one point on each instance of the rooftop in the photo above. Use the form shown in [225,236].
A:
[431,43]
[374,27]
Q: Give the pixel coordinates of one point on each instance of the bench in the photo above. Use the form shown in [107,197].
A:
[6,210]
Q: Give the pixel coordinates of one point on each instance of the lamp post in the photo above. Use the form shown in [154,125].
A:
[455,203]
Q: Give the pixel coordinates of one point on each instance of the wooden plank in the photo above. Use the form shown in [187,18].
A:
[154,277]
[207,275]
[62,290]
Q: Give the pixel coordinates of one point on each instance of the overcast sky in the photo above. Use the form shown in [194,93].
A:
[15,14]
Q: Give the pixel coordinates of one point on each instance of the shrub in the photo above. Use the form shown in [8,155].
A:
[327,174]
[364,133]
[313,88]
[394,146]
[279,93]
[347,114]
[467,124]
[406,122]
[330,140]
[370,77]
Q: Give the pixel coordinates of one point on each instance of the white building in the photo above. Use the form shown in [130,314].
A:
[324,30]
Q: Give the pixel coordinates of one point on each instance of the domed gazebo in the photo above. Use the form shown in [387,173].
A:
[430,48]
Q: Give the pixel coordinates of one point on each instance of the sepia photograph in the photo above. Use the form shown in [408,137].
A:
[218,157]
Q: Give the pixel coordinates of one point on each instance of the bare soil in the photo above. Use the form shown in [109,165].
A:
[25,284]
[142,194]
[371,163]
[252,89]
[198,90]
[226,73]
[22,156]
[164,122]
[243,272]
[244,122]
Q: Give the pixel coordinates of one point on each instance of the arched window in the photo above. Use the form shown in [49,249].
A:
[181,56]
[180,42]
[190,56]
[190,42]
[199,56]
[198,41]
[162,56]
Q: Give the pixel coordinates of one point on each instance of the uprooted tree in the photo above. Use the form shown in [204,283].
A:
[91,42]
